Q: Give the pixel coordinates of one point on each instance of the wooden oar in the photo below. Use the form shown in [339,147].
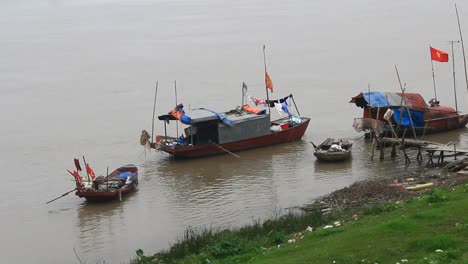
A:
[227,151]
[61,196]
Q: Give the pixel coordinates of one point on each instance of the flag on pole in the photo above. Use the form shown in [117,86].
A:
[90,171]
[77,164]
[268,82]
[438,55]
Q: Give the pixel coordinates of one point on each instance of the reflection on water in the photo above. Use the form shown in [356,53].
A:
[197,189]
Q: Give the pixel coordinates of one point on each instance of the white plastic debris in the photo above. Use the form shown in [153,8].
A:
[309,229]
[337,223]
[290,241]
[439,250]
[404,260]
[327,226]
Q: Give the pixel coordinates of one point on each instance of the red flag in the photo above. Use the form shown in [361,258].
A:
[268,82]
[90,171]
[77,164]
[438,55]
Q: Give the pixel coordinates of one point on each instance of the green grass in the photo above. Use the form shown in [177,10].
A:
[387,233]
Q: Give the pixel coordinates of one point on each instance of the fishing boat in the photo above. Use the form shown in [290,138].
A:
[333,149]
[404,114]
[120,182]
[212,133]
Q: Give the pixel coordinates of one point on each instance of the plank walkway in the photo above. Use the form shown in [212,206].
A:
[430,147]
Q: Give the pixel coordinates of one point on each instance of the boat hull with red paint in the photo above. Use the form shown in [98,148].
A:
[287,135]
[119,183]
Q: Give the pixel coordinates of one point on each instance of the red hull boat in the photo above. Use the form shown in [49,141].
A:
[106,188]
[286,135]
[410,112]
[211,133]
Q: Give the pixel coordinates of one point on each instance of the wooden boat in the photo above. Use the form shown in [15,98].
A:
[332,149]
[211,133]
[106,188]
[410,111]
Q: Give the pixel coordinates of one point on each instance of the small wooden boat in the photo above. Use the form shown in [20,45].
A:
[332,149]
[105,188]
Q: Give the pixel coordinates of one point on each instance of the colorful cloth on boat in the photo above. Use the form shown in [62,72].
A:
[285,108]
[279,108]
[257,101]
[250,109]
[272,102]
[179,113]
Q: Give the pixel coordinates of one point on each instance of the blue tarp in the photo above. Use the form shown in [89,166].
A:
[124,175]
[417,116]
[221,117]
[376,99]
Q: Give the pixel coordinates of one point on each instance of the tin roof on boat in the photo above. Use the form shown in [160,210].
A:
[386,99]
[200,115]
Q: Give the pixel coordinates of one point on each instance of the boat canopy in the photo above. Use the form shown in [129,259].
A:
[392,100]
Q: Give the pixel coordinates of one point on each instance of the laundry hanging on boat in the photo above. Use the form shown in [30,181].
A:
[258,101]
[285,108]
[279,108]
[282,100]
[250,109]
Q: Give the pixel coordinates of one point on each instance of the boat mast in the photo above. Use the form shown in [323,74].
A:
[406,106]
[177,123]
[154,110]
[453,71]
[266,88]
[463,47]
[433,76]
[370,105]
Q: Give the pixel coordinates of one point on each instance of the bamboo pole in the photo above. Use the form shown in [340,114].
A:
[154,111]
[453,72]
[403,98]
[266,88]
[463,47]
[177,123]
[433,78]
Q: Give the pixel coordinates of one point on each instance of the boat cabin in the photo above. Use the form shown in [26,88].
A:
[208,127]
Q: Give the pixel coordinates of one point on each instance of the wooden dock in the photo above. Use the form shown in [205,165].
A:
[431,148]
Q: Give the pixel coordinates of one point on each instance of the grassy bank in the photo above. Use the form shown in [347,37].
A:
[431,228]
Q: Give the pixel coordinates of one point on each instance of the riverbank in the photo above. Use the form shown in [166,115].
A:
[374,221]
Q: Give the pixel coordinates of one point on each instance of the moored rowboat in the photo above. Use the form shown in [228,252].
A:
[105,188]
[332,149]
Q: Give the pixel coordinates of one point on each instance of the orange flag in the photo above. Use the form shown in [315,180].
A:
[268,82]
[438,55]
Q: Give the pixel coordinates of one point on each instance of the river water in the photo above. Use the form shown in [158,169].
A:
[78,78]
